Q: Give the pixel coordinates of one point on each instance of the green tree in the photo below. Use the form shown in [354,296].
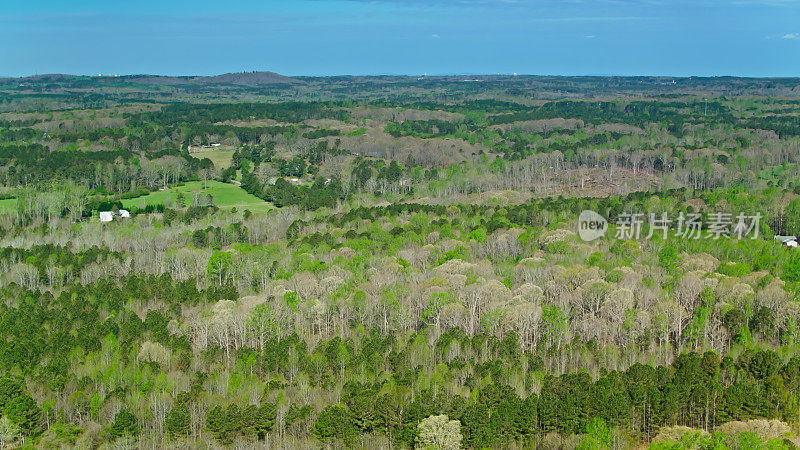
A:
[219,266]
[177,420]
[265,419]
[24,412]
[668,258]
[735,321]
[9,390]
[791,270]
[215,421]
[334,423]
[125,424]
[598,436]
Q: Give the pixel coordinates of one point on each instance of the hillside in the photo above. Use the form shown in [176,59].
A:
[386,262]
[239,78]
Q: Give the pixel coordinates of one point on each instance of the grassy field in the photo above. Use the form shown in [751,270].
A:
[221,156]
[225,195]
[8,205]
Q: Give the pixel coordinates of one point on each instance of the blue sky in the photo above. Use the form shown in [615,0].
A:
[322,37]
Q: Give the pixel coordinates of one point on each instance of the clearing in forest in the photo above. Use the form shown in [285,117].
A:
[225,195]
[8,205]
[221,156]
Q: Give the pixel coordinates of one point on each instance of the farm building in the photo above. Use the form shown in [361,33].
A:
[787,241]
[108,216]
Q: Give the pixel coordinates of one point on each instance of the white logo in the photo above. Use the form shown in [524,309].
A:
[591,225]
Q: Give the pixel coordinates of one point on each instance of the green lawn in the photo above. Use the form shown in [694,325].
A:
[221,157]
[8,205]
[225,195]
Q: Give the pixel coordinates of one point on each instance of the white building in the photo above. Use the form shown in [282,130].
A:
[124,213]
[106,216]
[787,241]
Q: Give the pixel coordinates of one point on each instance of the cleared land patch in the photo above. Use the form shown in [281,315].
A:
[225,195]
[220,156]
[8,205]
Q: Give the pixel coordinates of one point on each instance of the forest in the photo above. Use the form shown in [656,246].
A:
[398,262]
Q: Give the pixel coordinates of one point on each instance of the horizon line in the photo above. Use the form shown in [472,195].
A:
[443,74]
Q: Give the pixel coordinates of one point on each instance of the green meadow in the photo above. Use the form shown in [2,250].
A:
[221,157]
[8,205]
[226,195]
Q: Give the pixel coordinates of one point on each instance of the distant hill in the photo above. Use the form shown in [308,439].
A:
[45,78]
[250,78]
[241,78]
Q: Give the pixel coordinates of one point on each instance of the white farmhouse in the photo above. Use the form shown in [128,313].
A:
[106,216]
[124,213]
[787,241]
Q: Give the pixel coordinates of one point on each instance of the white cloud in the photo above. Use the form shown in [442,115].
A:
[791,36]
[589,36]
[435,36]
